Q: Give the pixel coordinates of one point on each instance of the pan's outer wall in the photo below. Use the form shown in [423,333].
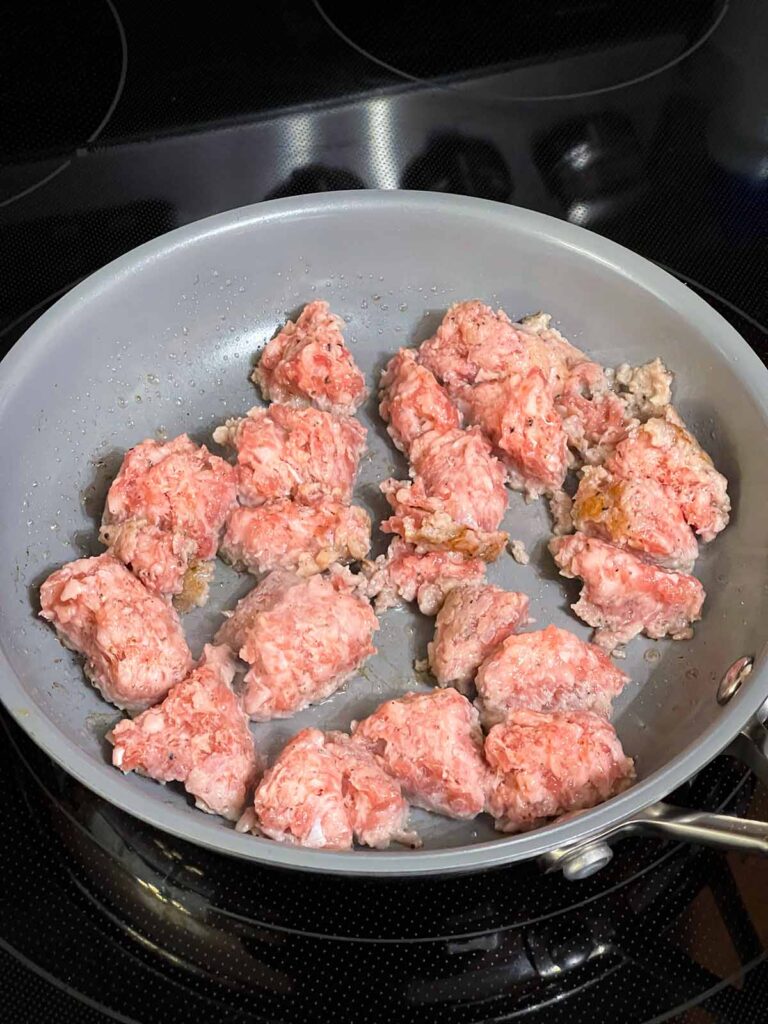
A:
[163,337]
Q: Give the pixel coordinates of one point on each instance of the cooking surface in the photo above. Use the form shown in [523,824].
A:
[126,125]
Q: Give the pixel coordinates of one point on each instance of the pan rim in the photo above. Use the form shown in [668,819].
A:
[642,273]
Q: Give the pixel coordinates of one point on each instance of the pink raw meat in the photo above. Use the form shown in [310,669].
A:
[306,537]
[473,344]
[545,348]
[432,744]
[307,363]
[593,414]
[165,512]
[426,523]
[623,596]
[543,765]
[284,452]
[199,736]
[662,450]
[547,670]
[324,791]
[412,401]
[518,416]
[404,574]
[457,467]
[636,513]
[471,624]
[132,641]
[302,639]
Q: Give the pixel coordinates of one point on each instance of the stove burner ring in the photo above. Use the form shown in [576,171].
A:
[746,317]
[51,175]
[409,77]
[39,307]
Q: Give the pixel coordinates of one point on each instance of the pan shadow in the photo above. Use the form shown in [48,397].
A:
[371,405]
[704,422]
[428,323]
[386,461]
[33,589]
[94,495]
[93,498]
[100,724]
[292,314]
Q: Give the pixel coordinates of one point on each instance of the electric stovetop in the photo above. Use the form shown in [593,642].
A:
[122,120]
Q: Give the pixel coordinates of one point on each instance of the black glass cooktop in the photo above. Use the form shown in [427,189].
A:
[100,910]
[122,120]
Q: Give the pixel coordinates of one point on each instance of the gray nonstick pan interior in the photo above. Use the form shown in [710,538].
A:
[163,340]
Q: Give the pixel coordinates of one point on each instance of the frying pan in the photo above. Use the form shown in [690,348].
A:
[162,341]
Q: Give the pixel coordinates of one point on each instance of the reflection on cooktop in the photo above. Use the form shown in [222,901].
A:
[315,178]
[458,164]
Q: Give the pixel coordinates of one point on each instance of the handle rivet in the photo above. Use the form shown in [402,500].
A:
[733,678]
[586,861]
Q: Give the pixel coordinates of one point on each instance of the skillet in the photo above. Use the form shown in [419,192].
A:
[163,339]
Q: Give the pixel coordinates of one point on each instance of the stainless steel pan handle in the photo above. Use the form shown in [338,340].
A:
[664,821]
[720,831]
